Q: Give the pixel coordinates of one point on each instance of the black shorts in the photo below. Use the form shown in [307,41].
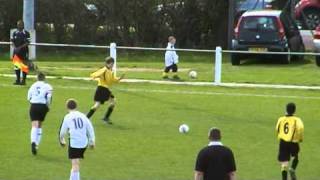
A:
[102,94]
[76,153]
[287,149]
[38,112]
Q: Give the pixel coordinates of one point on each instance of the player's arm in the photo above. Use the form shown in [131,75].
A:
[29,93]
[117,79]
[49,95]
[278,126]
[300,129]
[98,73]
[91,134]
[232,175]
[198,175]
[62,132]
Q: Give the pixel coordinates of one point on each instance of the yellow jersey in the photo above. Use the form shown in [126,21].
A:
[105,77]
[290,129]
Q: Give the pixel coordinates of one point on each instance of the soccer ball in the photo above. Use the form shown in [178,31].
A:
[183,128]
[193,74]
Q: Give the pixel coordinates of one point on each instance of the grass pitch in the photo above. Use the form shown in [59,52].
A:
[144,142]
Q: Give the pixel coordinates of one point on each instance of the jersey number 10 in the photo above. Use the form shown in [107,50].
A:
[78,123]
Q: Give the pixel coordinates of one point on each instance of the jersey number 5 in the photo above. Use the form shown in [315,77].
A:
[78,123]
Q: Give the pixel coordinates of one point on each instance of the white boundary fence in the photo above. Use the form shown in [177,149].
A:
[217,53]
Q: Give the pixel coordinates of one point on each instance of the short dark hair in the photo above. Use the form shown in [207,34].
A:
[171,38]
[109,60]
[71,104]
[41,76]
[214,134]
[291,108]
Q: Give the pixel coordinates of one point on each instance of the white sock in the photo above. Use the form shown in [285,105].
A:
[75,175]
[39,135]
[33,135]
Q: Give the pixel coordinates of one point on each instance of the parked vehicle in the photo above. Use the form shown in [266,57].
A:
[249,5]
[316,40]
[266,31]
[308,12]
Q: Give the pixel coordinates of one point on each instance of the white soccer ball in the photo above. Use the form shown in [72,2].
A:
[193,74]
[183,128]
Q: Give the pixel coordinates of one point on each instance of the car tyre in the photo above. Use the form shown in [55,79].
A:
[311,18]
[318,61]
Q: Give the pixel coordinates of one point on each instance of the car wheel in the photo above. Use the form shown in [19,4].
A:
[318,60]
[235,59]
[311,18]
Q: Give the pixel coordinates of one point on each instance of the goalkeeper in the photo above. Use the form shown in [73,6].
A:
[105,78]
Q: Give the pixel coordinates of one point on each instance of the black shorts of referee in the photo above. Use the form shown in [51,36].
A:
[287,150]
[38,112]
[102,94]
[76,153]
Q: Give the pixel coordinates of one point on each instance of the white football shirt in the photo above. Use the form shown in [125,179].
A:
[80,130]
[171,56]
[40,93]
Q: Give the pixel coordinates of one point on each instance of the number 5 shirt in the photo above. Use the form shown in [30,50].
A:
[40,93]
[80,130]
[290,129]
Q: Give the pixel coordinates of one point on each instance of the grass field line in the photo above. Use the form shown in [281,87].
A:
[166,82]
[184,92]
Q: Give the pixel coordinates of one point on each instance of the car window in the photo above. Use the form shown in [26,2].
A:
[259,23]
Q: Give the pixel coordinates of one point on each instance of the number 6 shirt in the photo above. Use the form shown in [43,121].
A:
[80,130]
[290,129]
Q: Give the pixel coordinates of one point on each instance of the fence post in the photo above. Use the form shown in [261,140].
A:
[218,62]
[113,54]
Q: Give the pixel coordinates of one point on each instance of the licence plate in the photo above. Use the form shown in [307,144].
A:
[258,49]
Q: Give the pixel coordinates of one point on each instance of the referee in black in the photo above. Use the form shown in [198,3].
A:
[21,39]
[215,162]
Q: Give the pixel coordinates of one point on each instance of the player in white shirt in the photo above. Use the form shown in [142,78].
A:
[81,135]
[39,96]
[171,59]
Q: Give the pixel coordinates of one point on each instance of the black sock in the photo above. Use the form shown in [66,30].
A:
[284,175]
[108,113]
[24,76]
[18,74]
[295,163]
[91,112]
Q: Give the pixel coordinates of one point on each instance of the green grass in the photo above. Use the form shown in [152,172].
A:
[144,143]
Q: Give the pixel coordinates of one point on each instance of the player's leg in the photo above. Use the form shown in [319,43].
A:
[284,158]
[294,151]
[165,72]
[34,136]
[112,104]
[75,170]
[93,109]
[18,72]
[24,73]
[284,169]
[39,133]
[175,71]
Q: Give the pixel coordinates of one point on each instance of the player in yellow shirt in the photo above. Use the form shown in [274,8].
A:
[106,78]
[289,129]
